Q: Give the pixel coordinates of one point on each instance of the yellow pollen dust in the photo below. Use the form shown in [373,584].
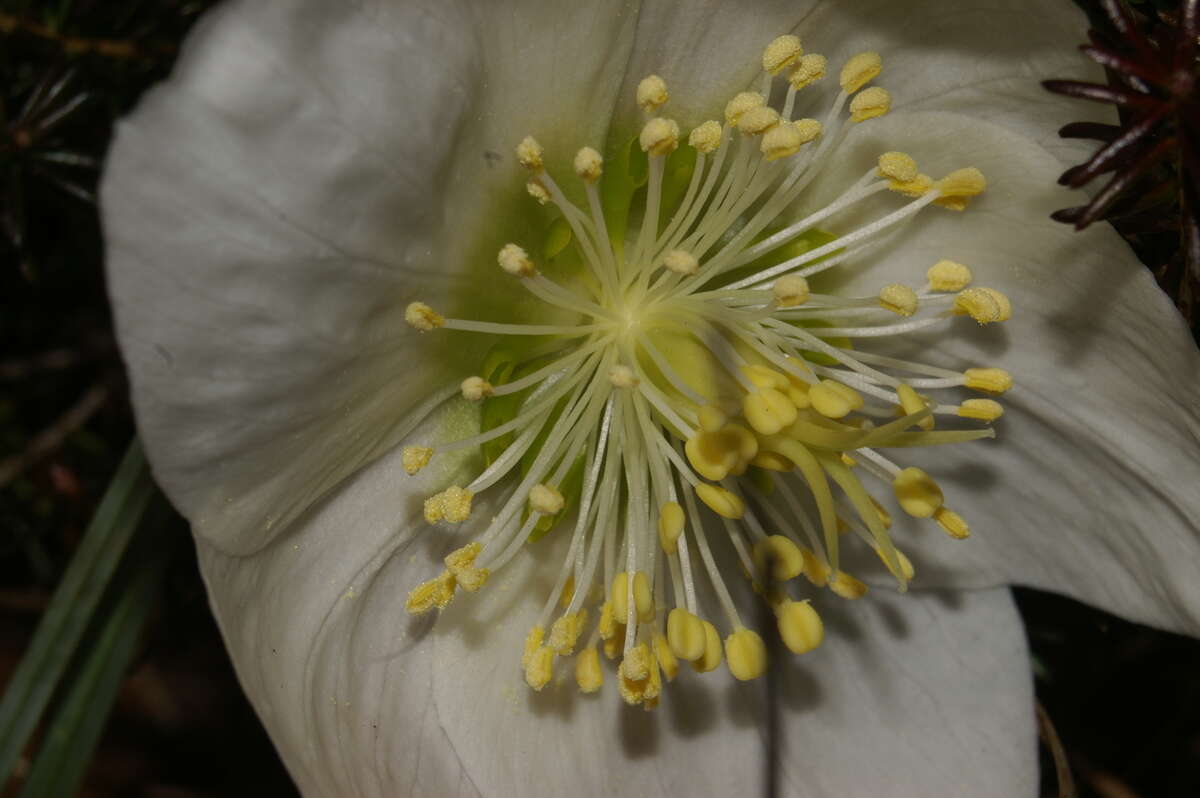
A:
[781,53]
[674,403]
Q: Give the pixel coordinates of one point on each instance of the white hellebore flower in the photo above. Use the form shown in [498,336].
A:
[760,361]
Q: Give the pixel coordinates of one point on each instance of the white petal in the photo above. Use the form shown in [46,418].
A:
[910,696]
[309,170]
[1090,489]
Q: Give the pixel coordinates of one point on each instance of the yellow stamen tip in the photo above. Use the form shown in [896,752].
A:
[659,136]
[608,622]
[912,402]
[707,137]
[529,154]
[984,305]
[981,409]
[721,501]
[870,103]
[832,399]
[652,93]
[768,411]
[564,633]
[917,493]
[781,53]
[415,458]
[917,187]
[772,461]
[758,120]
[642,598]
[991,380]
[898,166]
[538,191]
[809,69]
[906,567]
[779,558]
[436,592]
[711,658]
[588,674]
[545,500]
[452,505]
[476,388]
[847,586]
[666,658]
[952,523]
[791,290]
[946,275]
[422,317]
[516,261]
[860,70]
[968,182]
[621,376]
[781,141]
[746,654]
[670,526]
[685,633]
[681,262]
[589,165]
[712,418]
[800,626]
[540,668]
[899,299]
[742,103]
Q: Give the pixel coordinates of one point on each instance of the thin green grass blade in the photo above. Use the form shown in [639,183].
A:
[73,605]
[92,687]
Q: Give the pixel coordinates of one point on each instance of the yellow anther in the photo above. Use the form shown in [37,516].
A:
[809,129]
[652,93]
[588,674]
[898,166]
[589,165]
[712,454]
[659,136]
[538,191]
[621,376]
[952,523]
[746,655]
[712,418]
[529,154]
[984,305]
[847,586]
[608,621]
[436,592]
[899,299]
[781,141]
[462,558]
[833,399]
[422,317]
[638,674]
[816,570]
[772,461]
[779,558]
[681,262]
[768,410]
[515,260]
[564,633]
[912,402]
[670,526]
[981,409]
[415,458]
[721,501]
[917,187]
[764,376]
[613,645]
[471,579]
[533,641]
[707,137]
[568,592]
[741,104]
[476,388]
[710,658]
[452,505]
[918,494]
[685,633]
[642,598]
[540,668]
[859,71]
[849,461]
[967,182]
[800,626]
[781,53]
[991,380]
[758,120]
[545,500]
[906,567]
[946,275]
[885,517]
[666,658]
[870,103]
[809,69]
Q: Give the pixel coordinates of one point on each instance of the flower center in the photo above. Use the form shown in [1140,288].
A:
[700,394]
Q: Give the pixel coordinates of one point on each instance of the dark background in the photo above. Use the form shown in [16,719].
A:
[1124,699]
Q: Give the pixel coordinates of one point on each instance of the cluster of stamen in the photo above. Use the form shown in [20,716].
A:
[684,382]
